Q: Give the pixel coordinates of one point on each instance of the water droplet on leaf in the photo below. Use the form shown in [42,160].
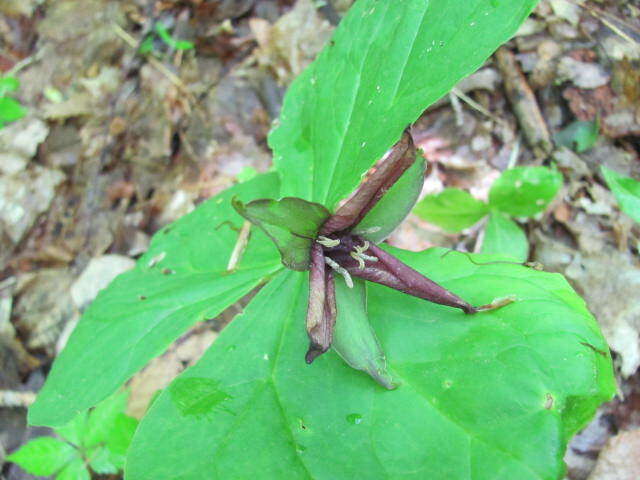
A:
[354,418]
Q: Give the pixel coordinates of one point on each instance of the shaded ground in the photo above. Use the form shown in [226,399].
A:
[117,144]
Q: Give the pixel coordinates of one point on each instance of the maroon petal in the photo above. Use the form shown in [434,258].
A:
[393,273]
[322,310]
[379,179]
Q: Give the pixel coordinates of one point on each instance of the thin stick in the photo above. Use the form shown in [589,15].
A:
[476,106]
[240,246]
[161,67]
[15,399]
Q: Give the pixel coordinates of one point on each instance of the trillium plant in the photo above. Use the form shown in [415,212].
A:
[309,237]
[376,383]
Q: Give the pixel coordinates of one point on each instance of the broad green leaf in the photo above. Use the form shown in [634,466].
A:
[11,110]
[181,280]
[75,430]
[626,191]
[452,209]
[292,224]
[394,206]
[43,455]
[525,191]
[354,339]
[503,236]
[102,418]
[386,63]
[75,470]
[579,135]
[489,396]
[8,84]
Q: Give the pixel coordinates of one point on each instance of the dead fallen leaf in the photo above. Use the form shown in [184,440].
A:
[290,44]
[619,459]
[162,370]
[97,275]
[582,74]
[43,307]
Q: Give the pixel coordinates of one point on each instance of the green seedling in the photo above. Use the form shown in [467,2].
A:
[161,32]
[519,192]
[94,441]
[10,109]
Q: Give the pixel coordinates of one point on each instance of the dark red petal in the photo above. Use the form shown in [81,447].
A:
[322,310]
[379,179]
[393,273]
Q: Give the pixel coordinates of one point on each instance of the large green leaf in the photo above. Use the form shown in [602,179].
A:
[525,191]
[626,191]
[387,61]
[292,224]
[452,209]
[181,280]
[489,396]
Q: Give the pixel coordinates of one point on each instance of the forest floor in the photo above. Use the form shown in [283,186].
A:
[118,143]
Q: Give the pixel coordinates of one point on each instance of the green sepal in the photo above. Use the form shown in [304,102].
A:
[292,223]
[395,205]
[354,338]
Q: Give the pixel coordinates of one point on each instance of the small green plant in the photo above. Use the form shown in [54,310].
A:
[160,31]
[97,440]
[455,396]
[10,109]
[519,192]
[626,191]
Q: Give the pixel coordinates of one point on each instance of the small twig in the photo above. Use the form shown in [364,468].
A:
[476,106]
[15,399]
[240,246]
[24,63]
[457,108]
[524,103]
[601,15]
[515,153]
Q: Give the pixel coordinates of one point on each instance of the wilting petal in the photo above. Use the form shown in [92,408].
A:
[321,311]
[379,179]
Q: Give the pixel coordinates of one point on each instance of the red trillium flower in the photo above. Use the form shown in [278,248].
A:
[344,243]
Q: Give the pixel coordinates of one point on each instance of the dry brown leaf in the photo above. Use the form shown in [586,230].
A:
[619,460]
